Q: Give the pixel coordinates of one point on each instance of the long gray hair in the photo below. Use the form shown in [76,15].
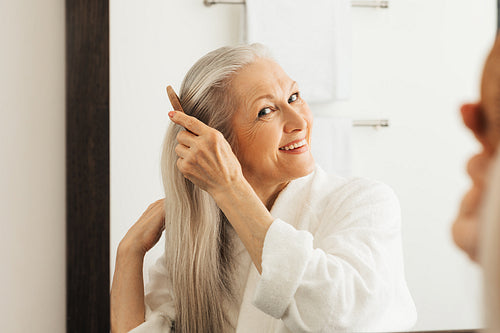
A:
[197,243]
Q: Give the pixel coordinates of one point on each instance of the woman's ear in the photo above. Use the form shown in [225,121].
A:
[475,119]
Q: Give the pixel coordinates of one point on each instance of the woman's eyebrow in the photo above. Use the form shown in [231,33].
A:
[267,96]
[254,92]
[270,96]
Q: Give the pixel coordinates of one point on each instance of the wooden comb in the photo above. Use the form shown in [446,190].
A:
[174,99]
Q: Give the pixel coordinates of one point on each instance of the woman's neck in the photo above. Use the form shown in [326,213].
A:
[269,194]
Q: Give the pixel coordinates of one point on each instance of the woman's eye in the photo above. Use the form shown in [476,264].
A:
[293,98]
[265,112]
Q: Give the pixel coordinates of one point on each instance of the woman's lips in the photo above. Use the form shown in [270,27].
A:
[295,147]
[299,150]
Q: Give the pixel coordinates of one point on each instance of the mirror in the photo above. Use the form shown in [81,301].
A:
[412,64]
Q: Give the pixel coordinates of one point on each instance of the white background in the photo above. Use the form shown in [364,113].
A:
[413,63]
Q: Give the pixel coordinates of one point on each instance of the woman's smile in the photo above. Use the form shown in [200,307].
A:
[296,147]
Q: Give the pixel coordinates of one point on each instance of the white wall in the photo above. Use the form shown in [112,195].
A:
[32,177]
[413,63]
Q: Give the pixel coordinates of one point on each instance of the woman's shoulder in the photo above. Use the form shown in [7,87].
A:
[354,201]
[320,198]
[353,190]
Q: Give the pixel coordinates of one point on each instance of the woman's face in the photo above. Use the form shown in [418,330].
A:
[272,125]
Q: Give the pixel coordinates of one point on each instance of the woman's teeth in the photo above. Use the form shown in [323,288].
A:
[295,145]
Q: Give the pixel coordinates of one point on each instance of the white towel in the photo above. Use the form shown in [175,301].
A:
[311,40]
[331,145]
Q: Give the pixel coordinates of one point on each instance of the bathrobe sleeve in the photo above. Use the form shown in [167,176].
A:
[159,303]
[347,274]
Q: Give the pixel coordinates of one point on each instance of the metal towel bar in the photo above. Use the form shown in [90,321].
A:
[374,123]
[371,3]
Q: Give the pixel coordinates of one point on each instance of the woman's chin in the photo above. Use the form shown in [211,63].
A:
[304,168]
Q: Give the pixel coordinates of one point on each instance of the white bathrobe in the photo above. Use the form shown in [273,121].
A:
[332,261]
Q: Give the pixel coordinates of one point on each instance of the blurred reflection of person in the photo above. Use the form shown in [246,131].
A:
[476,229]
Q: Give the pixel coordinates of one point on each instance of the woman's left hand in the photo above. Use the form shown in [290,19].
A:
[205,157]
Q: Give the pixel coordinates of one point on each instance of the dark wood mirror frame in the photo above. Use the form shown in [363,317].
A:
[87,166]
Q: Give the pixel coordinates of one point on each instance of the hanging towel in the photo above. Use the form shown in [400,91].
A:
[311,40]
[331,145]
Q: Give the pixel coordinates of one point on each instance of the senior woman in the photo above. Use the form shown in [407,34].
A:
[258,238]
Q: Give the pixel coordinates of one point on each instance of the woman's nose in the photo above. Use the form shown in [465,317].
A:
[294,120]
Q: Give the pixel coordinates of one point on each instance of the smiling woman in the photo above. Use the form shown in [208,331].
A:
[248,223]
[87,116]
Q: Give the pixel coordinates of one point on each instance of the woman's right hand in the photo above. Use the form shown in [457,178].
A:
[205,157]
[146,232]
